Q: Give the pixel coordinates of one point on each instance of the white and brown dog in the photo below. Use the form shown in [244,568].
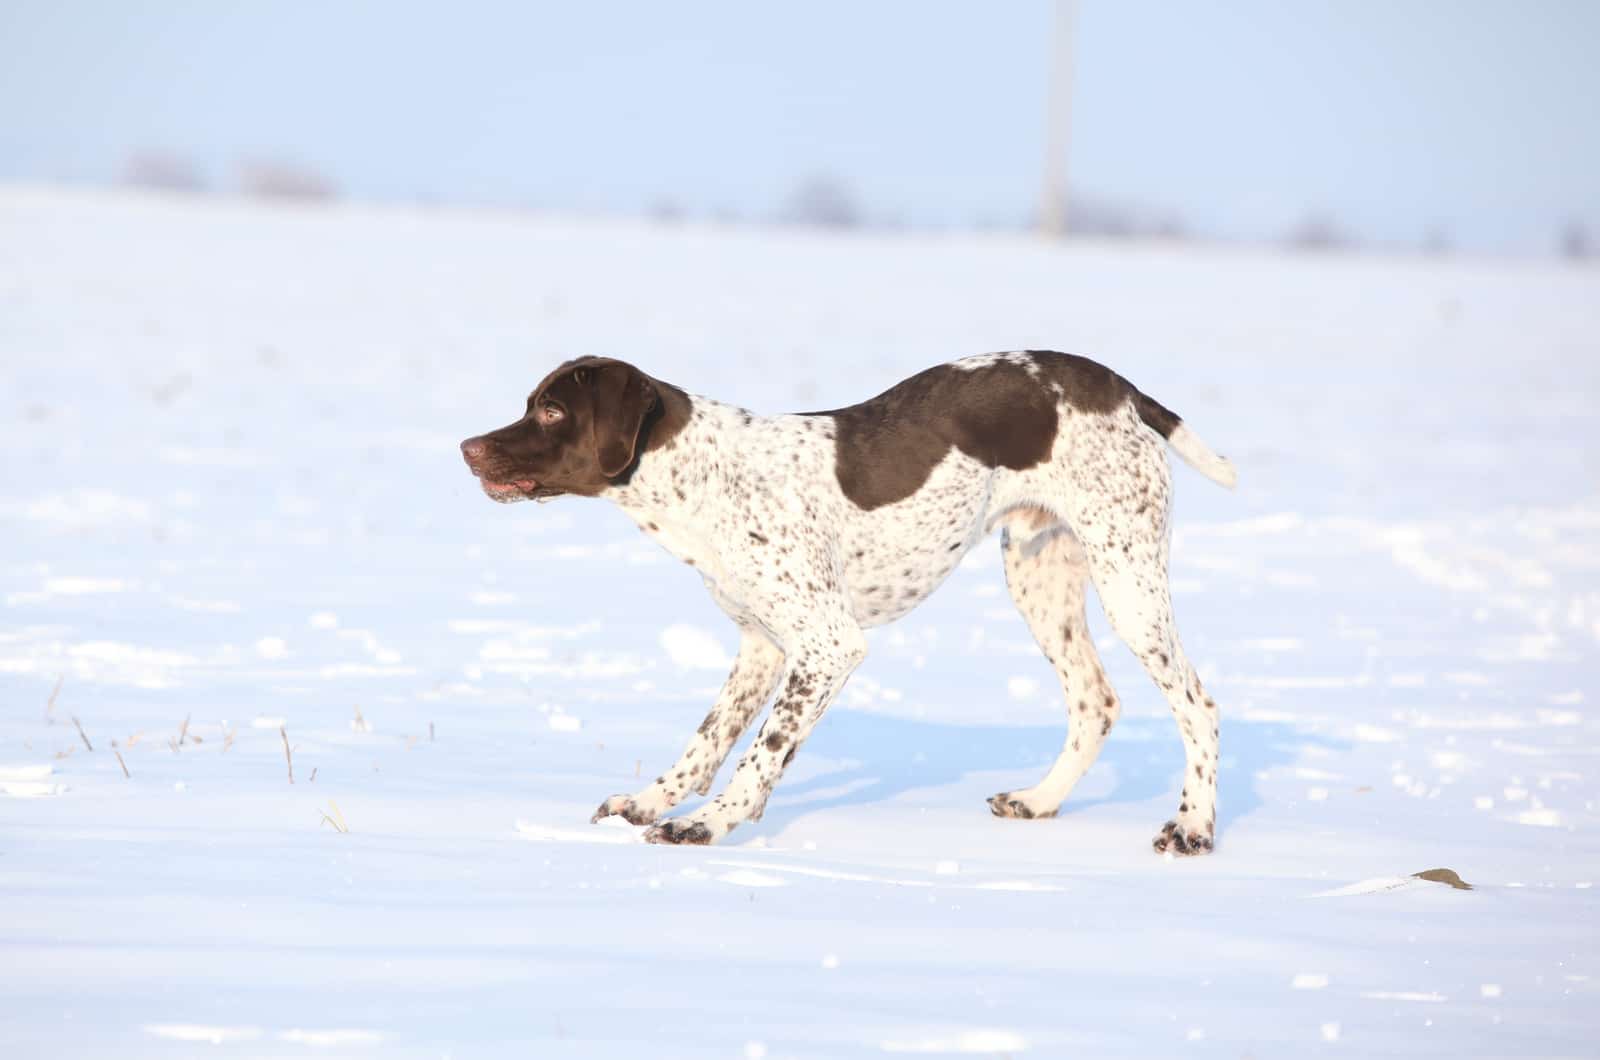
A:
[810,528]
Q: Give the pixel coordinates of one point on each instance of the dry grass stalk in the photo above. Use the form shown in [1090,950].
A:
[288,756]
[120,762]
[360,722]
[183,730]
[50,704]
[227,738]
[313,779]
[135,738]
[67,753]
[81,733]
[637,763]
[337,820]
[430,732]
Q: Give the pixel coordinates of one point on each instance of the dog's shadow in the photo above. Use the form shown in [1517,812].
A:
[888,756]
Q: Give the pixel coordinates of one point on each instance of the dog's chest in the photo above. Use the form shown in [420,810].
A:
[685,538]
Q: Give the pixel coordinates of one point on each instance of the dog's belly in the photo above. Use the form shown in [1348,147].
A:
[894,556]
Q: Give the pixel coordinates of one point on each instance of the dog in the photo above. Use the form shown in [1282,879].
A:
[810,528]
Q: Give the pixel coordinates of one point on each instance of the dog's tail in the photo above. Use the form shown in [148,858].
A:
[1188,445]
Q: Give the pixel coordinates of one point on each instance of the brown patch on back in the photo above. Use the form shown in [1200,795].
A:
[1086,385]
[1001,415]
[887,446]
[1092,387]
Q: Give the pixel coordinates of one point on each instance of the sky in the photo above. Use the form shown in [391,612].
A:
[1473,119]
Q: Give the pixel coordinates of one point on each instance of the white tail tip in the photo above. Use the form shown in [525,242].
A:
[1199,456]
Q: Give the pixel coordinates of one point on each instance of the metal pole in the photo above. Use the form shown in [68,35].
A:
[1058,123]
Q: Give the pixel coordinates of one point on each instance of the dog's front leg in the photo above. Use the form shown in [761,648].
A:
[820,658]
[749,685]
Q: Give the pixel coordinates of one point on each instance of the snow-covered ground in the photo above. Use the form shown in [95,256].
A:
[232,505]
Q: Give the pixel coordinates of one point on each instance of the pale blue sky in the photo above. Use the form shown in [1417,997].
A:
[1239,117]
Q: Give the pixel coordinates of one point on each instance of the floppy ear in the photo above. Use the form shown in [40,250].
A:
[623,396]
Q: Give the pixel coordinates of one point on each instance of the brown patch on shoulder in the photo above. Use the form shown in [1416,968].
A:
[887,446]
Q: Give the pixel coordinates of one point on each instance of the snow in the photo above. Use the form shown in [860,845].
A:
[694,649]
[233,516]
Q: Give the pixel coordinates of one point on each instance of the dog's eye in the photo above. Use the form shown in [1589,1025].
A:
[549,414]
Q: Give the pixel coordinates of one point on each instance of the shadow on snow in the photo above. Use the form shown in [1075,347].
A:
[887,756]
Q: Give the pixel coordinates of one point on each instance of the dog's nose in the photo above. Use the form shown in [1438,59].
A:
[473,449]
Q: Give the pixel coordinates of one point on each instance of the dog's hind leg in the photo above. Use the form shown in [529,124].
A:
[1046,571]
[1119,511]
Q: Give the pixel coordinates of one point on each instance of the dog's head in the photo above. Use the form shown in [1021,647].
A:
[579,433]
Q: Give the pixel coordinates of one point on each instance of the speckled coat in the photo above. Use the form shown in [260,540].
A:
[810,528]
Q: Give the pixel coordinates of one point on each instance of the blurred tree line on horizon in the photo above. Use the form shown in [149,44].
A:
[822,200]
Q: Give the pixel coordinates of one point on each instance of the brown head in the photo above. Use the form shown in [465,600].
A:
[580,432]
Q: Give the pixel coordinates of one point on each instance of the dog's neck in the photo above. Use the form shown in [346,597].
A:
[685,442]
[676,476]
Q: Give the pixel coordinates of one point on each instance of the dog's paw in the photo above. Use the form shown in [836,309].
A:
[1180,840]
[627,808]
[680,831]
[1011,804]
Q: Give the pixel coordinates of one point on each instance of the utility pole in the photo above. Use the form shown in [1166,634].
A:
[1058,123]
